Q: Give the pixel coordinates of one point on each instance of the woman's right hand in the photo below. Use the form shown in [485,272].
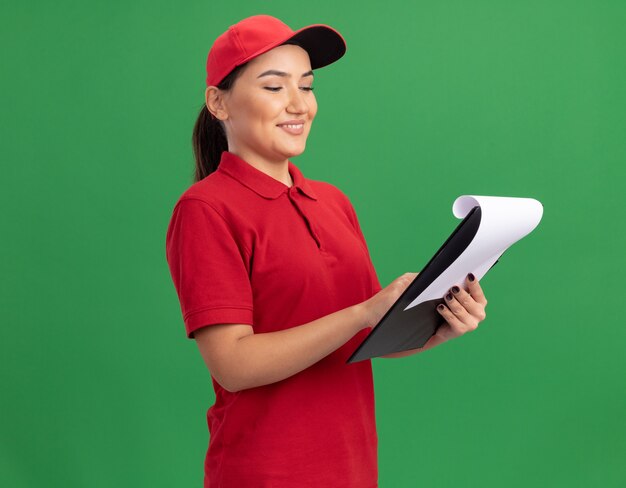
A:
[378,305]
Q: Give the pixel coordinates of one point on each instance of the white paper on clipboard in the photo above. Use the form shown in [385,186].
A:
[504,221]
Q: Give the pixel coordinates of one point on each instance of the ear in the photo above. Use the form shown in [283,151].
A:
[215,102]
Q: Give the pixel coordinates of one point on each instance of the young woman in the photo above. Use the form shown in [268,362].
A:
[274,277]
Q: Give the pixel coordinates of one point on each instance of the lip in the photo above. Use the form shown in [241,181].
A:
[289,130]
[292,122]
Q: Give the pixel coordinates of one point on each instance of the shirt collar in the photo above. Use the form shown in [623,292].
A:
[260,182]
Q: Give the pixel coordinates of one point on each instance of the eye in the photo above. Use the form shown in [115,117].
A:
[276,88]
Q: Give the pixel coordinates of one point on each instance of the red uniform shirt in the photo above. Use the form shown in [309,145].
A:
[245,248]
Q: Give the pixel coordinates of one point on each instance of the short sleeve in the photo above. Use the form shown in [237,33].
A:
[376,287]
[208,267]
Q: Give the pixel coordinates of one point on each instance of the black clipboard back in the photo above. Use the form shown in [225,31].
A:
[401,330]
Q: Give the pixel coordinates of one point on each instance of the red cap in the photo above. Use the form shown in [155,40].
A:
[255,35]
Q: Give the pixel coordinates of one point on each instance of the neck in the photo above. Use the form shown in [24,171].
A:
[279,170]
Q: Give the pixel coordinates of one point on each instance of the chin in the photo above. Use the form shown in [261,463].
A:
[293,152]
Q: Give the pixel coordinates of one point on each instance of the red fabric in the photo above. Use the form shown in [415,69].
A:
[257,34]
[243,247]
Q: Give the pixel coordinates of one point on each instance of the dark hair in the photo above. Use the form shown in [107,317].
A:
[209,137]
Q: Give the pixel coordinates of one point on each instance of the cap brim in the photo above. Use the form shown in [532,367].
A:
[323,43]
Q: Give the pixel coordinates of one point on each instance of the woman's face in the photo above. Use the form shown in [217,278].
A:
[273,88]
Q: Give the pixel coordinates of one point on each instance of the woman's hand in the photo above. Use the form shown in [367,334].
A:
[378,305]
[463,310]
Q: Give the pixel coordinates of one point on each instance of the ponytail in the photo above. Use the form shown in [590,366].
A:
[209,137]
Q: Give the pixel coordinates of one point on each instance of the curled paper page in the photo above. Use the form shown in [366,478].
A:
[489,227]
[503,221]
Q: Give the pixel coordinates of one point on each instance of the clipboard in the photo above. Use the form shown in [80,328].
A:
[413,318]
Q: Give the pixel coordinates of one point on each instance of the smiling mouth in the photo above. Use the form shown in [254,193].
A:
[294,129]
[292,126]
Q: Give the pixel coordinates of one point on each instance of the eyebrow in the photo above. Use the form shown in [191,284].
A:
[282,73]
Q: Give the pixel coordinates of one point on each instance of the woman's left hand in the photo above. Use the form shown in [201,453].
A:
[463,310]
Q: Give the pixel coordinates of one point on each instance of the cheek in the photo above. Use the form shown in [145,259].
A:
[259,106]
[258,114]
[270,110]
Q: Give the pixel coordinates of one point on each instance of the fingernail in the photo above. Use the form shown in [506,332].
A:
[440,307]
[471,277]
[455,289]
[449,296]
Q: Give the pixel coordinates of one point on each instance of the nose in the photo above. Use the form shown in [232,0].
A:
[297,102]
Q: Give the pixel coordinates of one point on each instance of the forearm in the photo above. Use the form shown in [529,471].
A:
[265,358]
[434,341]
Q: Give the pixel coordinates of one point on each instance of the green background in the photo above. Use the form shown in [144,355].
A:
[100,386]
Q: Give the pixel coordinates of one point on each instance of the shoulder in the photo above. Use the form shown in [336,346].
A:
[218,193]
[200,217]
[336,198]
[212,190]
[203,204]
[331,193]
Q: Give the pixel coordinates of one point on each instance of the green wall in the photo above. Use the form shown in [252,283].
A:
[100,387]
